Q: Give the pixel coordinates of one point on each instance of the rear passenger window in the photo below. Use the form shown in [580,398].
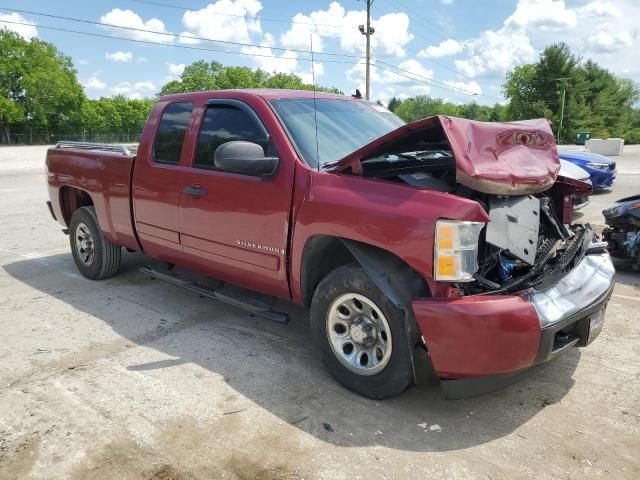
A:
[167,145]
[223,124]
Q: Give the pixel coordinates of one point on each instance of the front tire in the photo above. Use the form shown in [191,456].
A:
[360,334]
[95,256]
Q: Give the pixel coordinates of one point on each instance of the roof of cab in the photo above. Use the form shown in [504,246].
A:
[266,93]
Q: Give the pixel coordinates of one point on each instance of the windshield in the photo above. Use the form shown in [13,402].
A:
[343,126]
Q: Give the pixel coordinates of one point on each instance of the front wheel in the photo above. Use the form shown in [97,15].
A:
[361,334]
[95,256]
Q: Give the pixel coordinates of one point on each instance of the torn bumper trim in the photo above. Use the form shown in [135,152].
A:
[587,282]
[488,335]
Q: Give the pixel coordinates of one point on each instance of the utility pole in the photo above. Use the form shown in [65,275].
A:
[368,32]
[564,91]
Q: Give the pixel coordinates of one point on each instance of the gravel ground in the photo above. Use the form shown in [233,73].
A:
[131,378]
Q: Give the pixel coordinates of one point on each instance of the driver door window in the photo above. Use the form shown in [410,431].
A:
[222,124]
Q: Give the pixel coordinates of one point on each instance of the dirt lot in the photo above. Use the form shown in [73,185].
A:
[131,378]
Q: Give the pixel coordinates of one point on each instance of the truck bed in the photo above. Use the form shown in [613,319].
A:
[104,172]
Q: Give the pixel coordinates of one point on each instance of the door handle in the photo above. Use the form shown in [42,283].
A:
[196,191]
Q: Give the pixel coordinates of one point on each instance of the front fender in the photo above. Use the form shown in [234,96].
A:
[393,217]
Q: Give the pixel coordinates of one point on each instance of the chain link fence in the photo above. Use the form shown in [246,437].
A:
[52,138]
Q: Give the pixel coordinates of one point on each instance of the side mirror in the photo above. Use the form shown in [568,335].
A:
[246,158]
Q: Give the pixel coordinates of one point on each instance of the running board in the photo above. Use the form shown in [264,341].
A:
[246,303]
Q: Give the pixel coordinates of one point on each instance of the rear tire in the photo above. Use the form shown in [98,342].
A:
[360,334]
[95,256]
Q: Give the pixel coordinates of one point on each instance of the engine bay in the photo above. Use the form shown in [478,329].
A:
[529,240]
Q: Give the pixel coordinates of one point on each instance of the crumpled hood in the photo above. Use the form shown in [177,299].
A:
[515,158]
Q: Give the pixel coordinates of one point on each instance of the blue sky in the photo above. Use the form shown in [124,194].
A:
[459,50]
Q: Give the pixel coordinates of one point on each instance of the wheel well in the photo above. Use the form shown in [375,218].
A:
[71,199]
[323,254]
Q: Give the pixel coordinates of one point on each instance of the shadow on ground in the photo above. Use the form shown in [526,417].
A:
[272,364]
[626,274]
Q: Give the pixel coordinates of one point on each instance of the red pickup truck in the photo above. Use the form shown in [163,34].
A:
[445,234]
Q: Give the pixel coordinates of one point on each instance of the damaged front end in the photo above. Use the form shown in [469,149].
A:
[526,244]
[520,288]
[511,170]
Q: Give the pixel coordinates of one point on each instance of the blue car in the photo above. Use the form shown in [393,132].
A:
[601,169]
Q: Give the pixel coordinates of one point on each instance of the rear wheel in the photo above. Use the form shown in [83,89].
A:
[95,256]
[361,334]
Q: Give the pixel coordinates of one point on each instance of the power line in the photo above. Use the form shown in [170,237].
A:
[187,47]
[516,103]
[172,35]
[149,42]
[437,83]
[396,70]
[417,16]
[431,25]
[429,59]
[177,7]
[259,17]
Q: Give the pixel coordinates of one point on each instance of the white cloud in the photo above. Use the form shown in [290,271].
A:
[390,38]
[82,62]
[119,56]
[607,42]
[413,69]
[412,81]
[142,60]
[496,52]
[188,38]
[357,77]
[286,62]
[225,20]
[445,48]
[133,24]
[176,69]
[27,31]
[542,14]
[135,90]
[471,87]
[94,83]
[599,9]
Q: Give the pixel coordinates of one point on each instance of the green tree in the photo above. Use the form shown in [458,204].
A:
[422,106]
[595,100]
[393,104]
[38,85]
[202,75]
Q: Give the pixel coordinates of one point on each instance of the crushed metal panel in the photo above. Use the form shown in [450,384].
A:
[514,226]
[515,158]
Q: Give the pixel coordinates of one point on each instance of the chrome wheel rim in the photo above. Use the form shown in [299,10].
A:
[84,244]
[359,334]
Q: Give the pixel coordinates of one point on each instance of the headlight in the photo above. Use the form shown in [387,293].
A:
[455,256]
[599,166]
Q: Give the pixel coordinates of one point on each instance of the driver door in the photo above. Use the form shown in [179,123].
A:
[234,226]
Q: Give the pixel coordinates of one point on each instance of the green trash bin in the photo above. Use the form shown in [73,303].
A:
[582,137]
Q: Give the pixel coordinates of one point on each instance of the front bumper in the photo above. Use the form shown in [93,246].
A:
[502,336]
[601,179]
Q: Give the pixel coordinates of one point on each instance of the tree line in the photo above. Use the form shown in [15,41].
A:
[40,92]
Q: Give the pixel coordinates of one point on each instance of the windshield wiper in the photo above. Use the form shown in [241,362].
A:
[329,165]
